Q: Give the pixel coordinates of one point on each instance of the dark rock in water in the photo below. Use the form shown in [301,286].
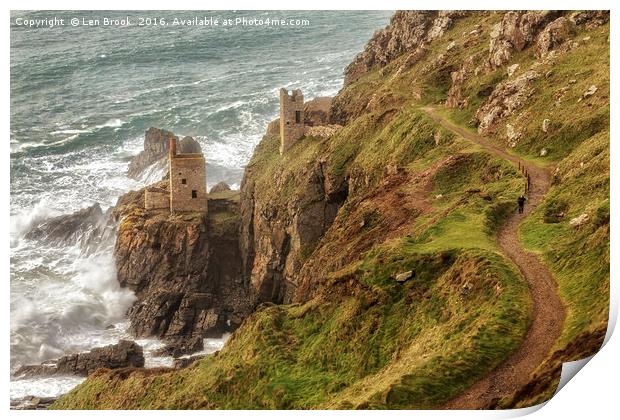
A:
[79,227]
[219,187]
[32,403]
[123,354]
[156,143]
[189,145]
[178,346]
[184,362]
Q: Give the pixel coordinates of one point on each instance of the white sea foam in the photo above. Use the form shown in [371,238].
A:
[114,122]
[21,222]
[44,387]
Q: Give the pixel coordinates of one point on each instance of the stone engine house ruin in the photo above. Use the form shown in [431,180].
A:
[187,180]
[291,118]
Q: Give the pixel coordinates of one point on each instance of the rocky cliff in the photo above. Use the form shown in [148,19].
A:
[184,268]
[278,233]
[155,150]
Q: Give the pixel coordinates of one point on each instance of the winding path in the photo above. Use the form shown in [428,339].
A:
[548,311]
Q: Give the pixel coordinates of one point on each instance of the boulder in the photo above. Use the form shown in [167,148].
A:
[31,402]
[579,221]
[512,69]
[180,345]
[123,354]
[545,125]
[591,91]
[403,277]
[555,34]
[455,97]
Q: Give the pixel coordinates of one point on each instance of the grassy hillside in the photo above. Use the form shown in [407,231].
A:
[367,340]
[420,199]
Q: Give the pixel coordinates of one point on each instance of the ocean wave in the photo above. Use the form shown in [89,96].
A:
[21,222]
[113,123]
[69,311]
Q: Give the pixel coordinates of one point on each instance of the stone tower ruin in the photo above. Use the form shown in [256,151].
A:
[291,118]
[187,180]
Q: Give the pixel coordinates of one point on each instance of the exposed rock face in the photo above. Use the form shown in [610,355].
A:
[276,241]
[516,31]
[590,18]
[316,111]
[155,149]
[408,34]
[219,187]
[32,403]
[123,354]
[87,227]
[185,270]
[555,34]
[322,131]
[579,221]
[184,362]
[273,128]
[455,97]
[189,145]
[507,97]
[407,31]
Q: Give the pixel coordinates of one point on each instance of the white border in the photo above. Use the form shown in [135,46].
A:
[592,395]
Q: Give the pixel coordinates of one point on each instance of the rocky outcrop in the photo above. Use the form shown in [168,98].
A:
[505,99]
[455,98]
[185,270]
[87,227]
[188,145]
[276,239]
[555,34]
[31,402]
[219,187]
[516,31]
[155,150]
[321,131]
[407,32]
[273,128]
[316,111]
[123,354]
[590,18]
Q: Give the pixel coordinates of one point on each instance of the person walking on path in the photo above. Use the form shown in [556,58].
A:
[521,202]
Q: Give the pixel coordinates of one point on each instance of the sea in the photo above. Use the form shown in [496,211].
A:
[84,91]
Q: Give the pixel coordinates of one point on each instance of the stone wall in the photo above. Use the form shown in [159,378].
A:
[188,183]
[291,118]
[156,198]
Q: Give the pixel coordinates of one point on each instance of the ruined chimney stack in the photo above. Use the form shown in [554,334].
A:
[172,147]
[291,118]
